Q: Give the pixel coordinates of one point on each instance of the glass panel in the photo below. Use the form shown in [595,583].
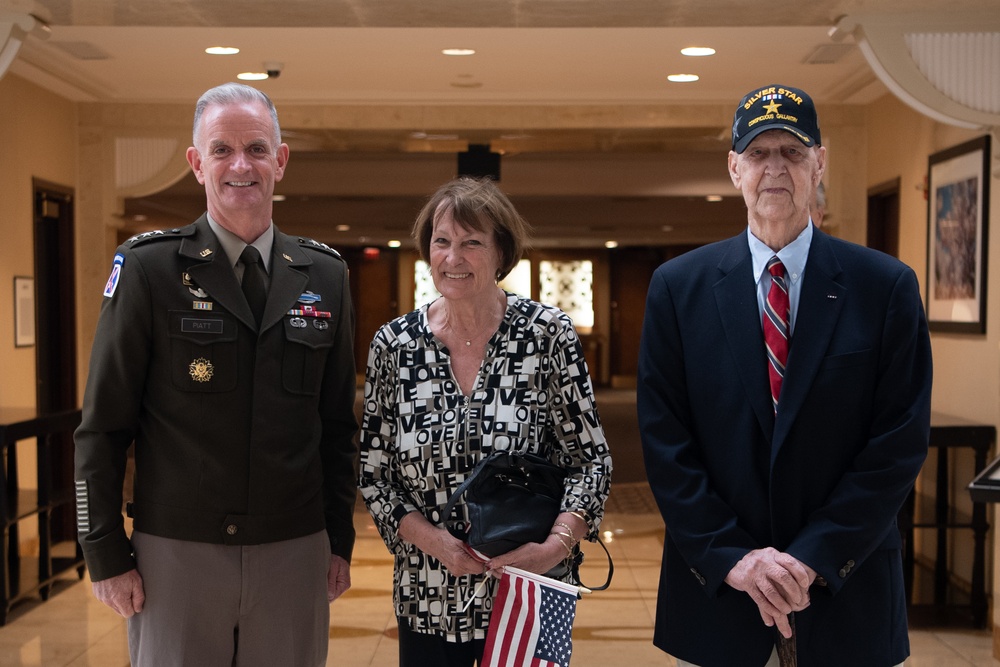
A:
[570,287]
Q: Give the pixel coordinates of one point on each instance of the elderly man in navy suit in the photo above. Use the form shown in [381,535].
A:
[784,403]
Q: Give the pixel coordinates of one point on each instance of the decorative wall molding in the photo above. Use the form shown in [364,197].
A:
[14,29]
[946,65]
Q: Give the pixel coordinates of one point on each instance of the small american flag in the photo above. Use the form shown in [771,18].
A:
[532,622]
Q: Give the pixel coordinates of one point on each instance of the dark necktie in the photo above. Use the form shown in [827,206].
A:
[254,287]
[776,327]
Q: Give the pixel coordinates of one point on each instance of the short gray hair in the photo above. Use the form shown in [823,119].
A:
[235,93]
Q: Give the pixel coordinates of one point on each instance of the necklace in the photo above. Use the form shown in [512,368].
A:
[491,325]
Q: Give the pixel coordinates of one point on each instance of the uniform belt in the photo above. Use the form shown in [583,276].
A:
[197,525]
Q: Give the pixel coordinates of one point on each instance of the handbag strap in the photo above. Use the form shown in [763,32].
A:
[611,570]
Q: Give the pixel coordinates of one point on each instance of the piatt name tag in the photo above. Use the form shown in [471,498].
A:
[203,325]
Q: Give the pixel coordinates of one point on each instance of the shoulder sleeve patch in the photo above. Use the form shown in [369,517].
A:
[116,274]
[316,245]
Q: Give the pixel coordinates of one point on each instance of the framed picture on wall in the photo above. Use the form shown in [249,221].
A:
[957,220]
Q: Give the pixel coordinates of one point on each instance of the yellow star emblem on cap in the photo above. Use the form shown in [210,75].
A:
[772,107]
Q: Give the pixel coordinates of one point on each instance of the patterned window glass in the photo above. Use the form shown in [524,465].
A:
[517,281]
[569,286]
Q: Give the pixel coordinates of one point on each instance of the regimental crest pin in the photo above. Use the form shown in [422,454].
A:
[201,370]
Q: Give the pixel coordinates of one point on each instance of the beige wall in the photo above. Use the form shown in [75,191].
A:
[966,367]
[39,139]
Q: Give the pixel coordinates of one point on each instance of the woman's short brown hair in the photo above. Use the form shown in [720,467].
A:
[476,203]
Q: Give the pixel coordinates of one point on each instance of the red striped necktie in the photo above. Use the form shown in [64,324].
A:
[776,327]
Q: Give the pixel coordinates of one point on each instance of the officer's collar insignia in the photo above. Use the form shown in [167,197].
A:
[206,252]
[288,257]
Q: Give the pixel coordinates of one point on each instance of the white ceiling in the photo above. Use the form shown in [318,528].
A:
[577,185]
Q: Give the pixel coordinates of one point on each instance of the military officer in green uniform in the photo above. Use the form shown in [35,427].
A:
[224,351]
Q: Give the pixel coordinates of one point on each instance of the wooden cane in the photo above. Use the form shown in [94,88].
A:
[787,652]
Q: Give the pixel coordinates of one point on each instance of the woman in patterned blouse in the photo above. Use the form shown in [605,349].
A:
[476,370]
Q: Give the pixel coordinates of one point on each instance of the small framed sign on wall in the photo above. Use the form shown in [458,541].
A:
[24,311]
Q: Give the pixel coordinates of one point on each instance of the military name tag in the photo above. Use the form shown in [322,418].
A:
[202,325]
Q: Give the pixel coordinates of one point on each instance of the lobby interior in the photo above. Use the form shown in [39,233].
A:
[596,147]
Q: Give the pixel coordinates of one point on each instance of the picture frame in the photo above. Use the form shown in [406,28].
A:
[24,311]
[957,234]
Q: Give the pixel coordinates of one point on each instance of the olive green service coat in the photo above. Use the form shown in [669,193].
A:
[239,438]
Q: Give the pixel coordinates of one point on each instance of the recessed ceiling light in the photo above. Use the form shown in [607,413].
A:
[713,198]
[394,243]
[458,52]
[222,50]
[277,197]
[696,51]
[611,244]
[343,228]
[252,76]
[682,78]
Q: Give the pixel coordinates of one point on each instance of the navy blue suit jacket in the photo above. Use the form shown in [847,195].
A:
[822,481]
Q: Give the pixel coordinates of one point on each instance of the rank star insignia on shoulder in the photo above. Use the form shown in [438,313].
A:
[312,243]
[159,234]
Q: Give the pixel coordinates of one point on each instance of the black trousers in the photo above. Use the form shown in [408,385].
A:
[420,650]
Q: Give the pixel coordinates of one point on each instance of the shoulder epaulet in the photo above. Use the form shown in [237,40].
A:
[176,232]
[316,245]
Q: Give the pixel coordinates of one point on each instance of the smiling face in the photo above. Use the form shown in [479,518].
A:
[464,262]
[237,160]
[777,175]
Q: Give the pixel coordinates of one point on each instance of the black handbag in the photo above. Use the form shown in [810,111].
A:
[513,499]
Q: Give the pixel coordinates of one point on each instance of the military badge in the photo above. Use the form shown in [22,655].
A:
[309,297]
[201,370]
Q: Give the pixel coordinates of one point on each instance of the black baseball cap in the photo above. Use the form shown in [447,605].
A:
[775,107]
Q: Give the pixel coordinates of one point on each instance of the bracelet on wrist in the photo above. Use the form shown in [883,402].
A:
[559,536]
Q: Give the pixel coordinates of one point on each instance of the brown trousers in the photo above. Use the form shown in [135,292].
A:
[239,606]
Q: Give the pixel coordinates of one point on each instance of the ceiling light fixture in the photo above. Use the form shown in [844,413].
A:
[611,244]
[277,197]
[222,50]
[394,243]
[713,198]
[698,51]
[252,76]
[682,78]
[458,52]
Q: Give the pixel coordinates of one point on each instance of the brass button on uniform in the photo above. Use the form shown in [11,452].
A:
[231,529]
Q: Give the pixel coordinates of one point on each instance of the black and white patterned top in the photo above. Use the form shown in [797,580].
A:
[421,436]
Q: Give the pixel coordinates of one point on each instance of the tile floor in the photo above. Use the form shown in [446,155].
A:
[613,627]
